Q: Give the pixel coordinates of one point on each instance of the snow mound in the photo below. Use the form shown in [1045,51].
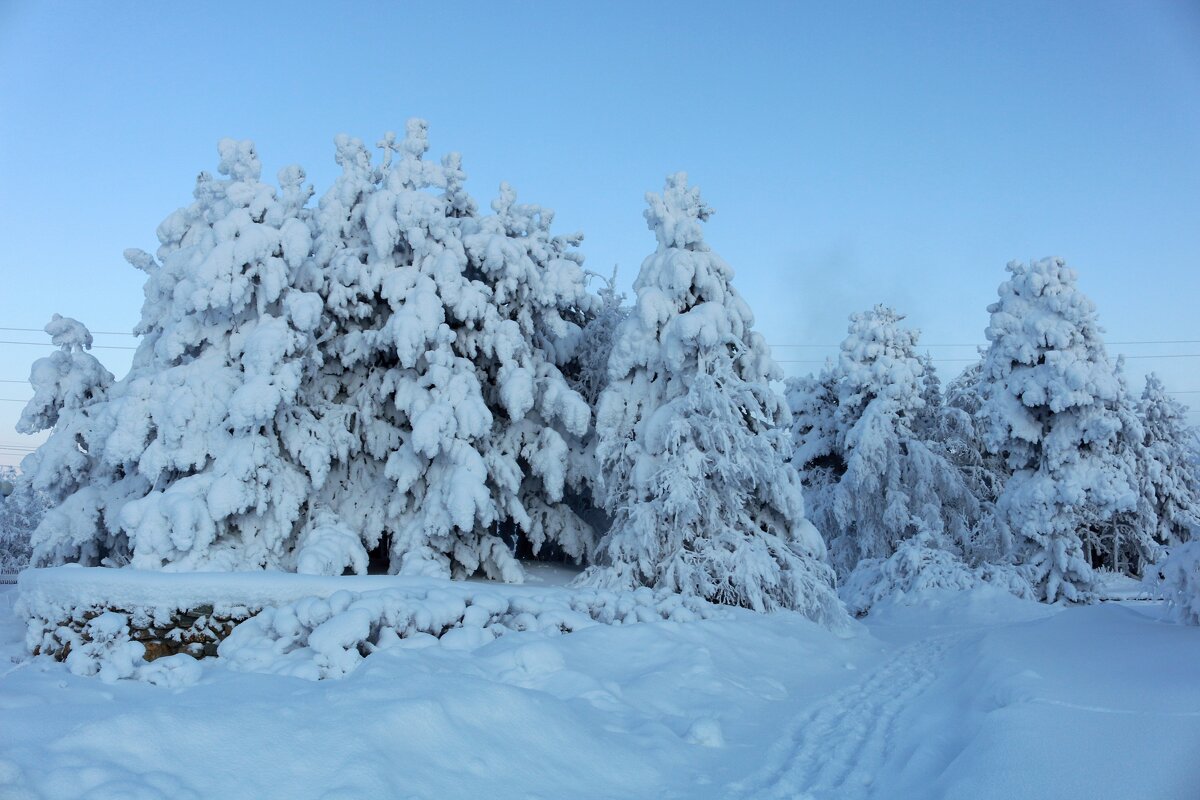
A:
[316,638]
[153,626]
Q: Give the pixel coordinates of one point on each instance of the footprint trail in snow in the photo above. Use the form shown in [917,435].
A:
[836,748]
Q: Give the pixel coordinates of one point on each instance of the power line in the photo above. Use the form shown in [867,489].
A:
[947,360]
[48,344]
[1168,355]
[43,330]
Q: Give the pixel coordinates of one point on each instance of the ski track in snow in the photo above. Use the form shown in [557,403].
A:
[836,748]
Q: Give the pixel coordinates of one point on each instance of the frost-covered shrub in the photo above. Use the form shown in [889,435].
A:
[1177,580]
[103,648]
[919,566]
[317,638]
[692,442]
[1050,410]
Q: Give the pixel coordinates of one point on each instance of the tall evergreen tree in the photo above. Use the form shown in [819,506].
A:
[693,443]
[70,387]
[873,422]
[450,330]
[1049,409]
[385,369]
[1172,475]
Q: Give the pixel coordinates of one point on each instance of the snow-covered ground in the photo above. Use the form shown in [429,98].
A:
[971,695]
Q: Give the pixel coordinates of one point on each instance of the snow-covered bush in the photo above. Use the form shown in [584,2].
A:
[1050,410]
[147,625]
[692,442]
[1177,580]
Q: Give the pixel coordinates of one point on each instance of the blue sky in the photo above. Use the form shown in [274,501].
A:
[855,152]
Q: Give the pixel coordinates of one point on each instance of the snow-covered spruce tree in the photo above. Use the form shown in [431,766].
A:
[197,476]
[447,331]
[538,289]
[1050,410]
[344,429]
[1124,541]
[818,455]
[894,482]
[1171,475]
[70,391]
[588,375]
[693,443]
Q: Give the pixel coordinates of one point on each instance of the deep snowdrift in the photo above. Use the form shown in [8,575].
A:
[973,695]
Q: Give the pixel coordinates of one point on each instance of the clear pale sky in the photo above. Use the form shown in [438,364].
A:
[856,153]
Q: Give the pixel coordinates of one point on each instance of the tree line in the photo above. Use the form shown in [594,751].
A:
[391,378]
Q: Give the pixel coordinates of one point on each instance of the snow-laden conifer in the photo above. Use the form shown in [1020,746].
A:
[449,331]
[880,477]
[693,442]
[1171,475]
[189,471]
[70,388]
[1125,541]
[1050,410]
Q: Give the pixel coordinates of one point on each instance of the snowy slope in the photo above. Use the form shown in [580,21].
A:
[973,695]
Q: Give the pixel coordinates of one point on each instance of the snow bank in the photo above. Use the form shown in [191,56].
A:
[111,623]
[74,587]
[317,638]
